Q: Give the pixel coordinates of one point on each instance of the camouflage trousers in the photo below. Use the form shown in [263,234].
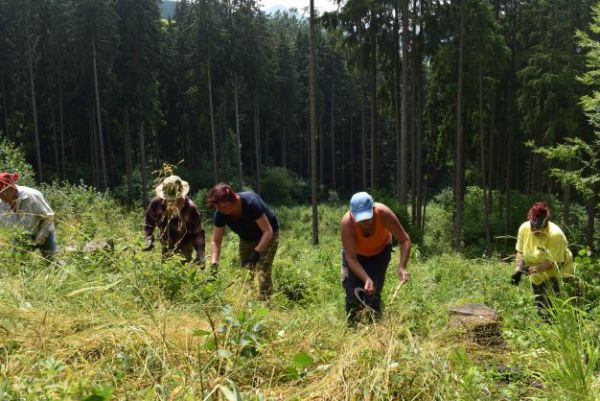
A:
[264,266]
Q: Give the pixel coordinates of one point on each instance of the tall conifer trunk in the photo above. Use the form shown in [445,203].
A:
[99,116]
[63,168]
[5,107]
[333,165]
[38,151]
[213,135]
[142,143]
[403,195]
[484,182]
[459,180]
[127,150]
[363,132]
[313,125]
[257,150]
[237,133]
[374,115]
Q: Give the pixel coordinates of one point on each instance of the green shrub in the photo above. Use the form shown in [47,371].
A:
[281,186]
[12,159]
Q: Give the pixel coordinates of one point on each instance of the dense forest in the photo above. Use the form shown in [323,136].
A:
[412,97]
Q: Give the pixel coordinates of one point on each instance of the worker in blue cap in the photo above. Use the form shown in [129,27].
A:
[366,231]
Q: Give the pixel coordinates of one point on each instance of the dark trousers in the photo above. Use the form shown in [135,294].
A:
[543,292]
[264,266]
[184,249]
[375,267]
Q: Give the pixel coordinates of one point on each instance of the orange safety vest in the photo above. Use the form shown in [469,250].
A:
[376,242]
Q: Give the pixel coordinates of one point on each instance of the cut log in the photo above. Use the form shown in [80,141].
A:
[480,323]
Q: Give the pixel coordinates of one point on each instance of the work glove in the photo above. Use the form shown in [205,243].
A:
[515,279]
[149,244]
[252,260]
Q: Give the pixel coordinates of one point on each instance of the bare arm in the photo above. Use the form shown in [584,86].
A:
[518,258]
[391,222]
[349,245]
[215,244]
[542,267]
[267,233]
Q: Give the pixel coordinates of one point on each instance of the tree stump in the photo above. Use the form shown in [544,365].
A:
[479,322]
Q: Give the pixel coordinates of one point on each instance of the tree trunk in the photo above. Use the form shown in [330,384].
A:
[333,164]
[313,127]
[237,133]
[351,154]
[55,140]
[127,149]
[418,156]
[63,169]
[93,150]
[5,108]
[567,206]
[459,180]
[591,215]
[284,138]
[142,141]
[213,136]
[374,115]
[257,150]
[99,116]
[38,151]
[403,195]
[484,183]
[363,134]
[510,127]
[321,143]
[397,113]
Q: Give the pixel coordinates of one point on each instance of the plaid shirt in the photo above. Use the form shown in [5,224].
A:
[178,230]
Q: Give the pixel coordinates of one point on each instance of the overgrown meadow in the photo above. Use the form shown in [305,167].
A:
[123,326]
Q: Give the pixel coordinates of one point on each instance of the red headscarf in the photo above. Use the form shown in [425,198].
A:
[8,179]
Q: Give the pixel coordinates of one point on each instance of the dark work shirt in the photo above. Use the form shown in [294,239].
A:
[176,231]
[253,207]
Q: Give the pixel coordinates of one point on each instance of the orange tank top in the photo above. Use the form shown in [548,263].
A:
[376,242]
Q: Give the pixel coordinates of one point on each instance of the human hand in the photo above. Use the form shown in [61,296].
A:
[403,275]
[252,260]
[149,244]
[369,286]
[41,238]
[515,279]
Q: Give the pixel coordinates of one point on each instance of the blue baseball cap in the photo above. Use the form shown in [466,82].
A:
[361,206]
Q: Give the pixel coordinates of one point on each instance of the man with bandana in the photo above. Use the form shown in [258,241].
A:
[178,220]
[542,253]
[26,207]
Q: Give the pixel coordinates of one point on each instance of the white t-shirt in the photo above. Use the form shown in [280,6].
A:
[33,214]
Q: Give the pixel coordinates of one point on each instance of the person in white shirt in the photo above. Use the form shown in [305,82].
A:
[26,207]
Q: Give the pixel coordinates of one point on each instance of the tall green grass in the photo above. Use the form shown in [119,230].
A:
[124,326]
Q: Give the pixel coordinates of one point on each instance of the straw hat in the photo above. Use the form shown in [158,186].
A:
[172,188]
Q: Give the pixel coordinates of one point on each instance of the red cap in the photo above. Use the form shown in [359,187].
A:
[8,179]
